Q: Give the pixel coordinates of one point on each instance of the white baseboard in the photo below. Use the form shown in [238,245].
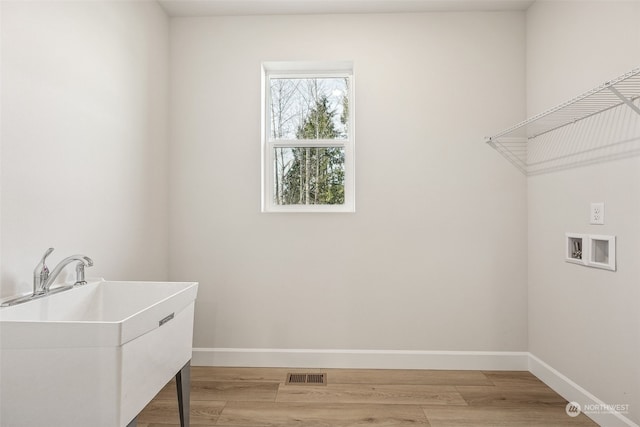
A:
[363,359]
[591,405]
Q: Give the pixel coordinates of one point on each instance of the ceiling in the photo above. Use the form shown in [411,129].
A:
[304,7]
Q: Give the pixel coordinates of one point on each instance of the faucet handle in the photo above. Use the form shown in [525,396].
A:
[46,254]
[41,273]
[42,267]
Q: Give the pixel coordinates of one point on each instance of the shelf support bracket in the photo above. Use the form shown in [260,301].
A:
[624,99]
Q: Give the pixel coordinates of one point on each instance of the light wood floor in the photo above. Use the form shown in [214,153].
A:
[252,397]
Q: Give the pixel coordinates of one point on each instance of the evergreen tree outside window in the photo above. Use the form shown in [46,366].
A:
[307,137]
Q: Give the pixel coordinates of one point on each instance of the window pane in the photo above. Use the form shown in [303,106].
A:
[309,176]
[309,108]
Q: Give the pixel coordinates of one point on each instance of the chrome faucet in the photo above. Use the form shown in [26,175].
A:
[43,279]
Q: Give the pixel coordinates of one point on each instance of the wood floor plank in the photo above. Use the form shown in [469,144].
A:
[510,396]
[520,416]
[237,414]
[203,412]
[170,425]
[208,373]
[372,394]
[407,377]
[513,378]
[226,390]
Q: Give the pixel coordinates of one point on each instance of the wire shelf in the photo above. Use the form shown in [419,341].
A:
[513,142]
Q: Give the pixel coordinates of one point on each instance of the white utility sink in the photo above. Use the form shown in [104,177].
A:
[94,355]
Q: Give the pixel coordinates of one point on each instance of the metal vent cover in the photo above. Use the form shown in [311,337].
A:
[306,379]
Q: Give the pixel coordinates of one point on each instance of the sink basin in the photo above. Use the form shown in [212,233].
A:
[94,355]
[100,313]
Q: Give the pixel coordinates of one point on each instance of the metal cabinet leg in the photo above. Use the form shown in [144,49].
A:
[183,385]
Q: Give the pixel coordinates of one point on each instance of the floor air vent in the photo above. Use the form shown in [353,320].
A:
[306,379]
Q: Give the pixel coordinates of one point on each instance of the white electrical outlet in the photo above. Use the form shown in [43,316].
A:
[597,213]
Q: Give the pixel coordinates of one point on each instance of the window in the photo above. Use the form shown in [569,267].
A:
[307,137]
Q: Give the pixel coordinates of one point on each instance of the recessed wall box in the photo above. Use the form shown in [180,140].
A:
[576,249]
[602,252]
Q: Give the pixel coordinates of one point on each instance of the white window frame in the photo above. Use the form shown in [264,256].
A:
[306,70]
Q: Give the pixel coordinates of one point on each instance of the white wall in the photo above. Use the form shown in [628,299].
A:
[435,256]
[584,322]
[84,138]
